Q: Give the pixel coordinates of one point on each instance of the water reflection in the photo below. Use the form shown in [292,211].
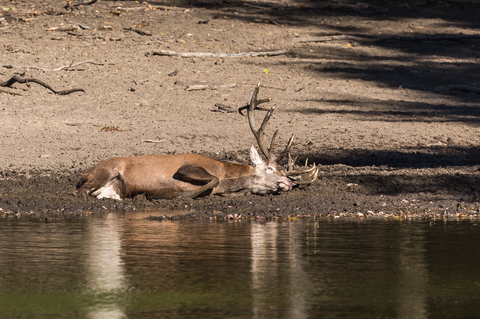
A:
[126,266]
[105,274]
[300,261]
[413,281]
[277,265]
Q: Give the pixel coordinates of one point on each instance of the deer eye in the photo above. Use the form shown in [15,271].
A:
[271,169]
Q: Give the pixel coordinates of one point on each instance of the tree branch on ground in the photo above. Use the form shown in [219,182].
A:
[18,79]
[79,35]
[222,108]
[150,7]
[70,6]
[141,32]
[64,67]
[219,55]
[197,85]
[63,29]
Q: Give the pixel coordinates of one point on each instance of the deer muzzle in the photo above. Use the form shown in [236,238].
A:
[286,184]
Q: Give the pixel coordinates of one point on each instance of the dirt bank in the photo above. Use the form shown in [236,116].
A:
[383,95]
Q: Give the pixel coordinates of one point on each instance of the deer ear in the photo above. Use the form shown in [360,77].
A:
[255,157]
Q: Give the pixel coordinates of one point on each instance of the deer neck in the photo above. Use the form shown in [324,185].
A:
[236,177]
[233,170]
[234,185]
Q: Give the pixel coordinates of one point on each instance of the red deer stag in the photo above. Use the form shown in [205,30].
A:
[193,175]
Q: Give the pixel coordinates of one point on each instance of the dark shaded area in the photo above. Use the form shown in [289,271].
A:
[409,158]
[438,78]
[400,111]
[301,12]
[460,58]
[463,187]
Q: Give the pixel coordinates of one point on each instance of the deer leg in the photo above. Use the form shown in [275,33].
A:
[197,174]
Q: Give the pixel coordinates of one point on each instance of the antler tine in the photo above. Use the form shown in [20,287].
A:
[309,176]
[251,120]
[254,102]
[302,171]
[306,175]
[286,150]
[272,143]
[265,151]
[291,163]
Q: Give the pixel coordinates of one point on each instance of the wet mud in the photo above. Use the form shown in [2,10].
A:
[383,95]
[341,191]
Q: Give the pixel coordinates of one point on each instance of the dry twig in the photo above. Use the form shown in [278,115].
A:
[219,55]
[153,141]
[167,8]
[63,29]
[64,67]
[222,108]
[95,37]
[141,32]
[18,79]
[69,5]
[197,85]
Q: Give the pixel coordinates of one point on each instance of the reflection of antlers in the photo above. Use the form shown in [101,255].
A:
[254,102]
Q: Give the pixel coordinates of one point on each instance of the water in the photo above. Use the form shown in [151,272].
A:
[127,267]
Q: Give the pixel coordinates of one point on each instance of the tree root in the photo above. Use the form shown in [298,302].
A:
[18,79]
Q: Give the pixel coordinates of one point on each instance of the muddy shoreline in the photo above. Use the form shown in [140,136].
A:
[341,191]
[383,95]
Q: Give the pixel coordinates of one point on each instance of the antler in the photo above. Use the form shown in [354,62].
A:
[306,175]
[254,103]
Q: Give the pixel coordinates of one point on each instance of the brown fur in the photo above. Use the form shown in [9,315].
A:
[170,176]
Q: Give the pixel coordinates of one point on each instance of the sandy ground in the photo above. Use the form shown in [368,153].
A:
[389,107]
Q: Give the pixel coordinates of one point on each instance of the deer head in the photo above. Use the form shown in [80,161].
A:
[269,170]
[268,179]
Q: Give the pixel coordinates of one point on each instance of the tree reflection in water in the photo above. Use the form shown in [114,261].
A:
[126,266]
